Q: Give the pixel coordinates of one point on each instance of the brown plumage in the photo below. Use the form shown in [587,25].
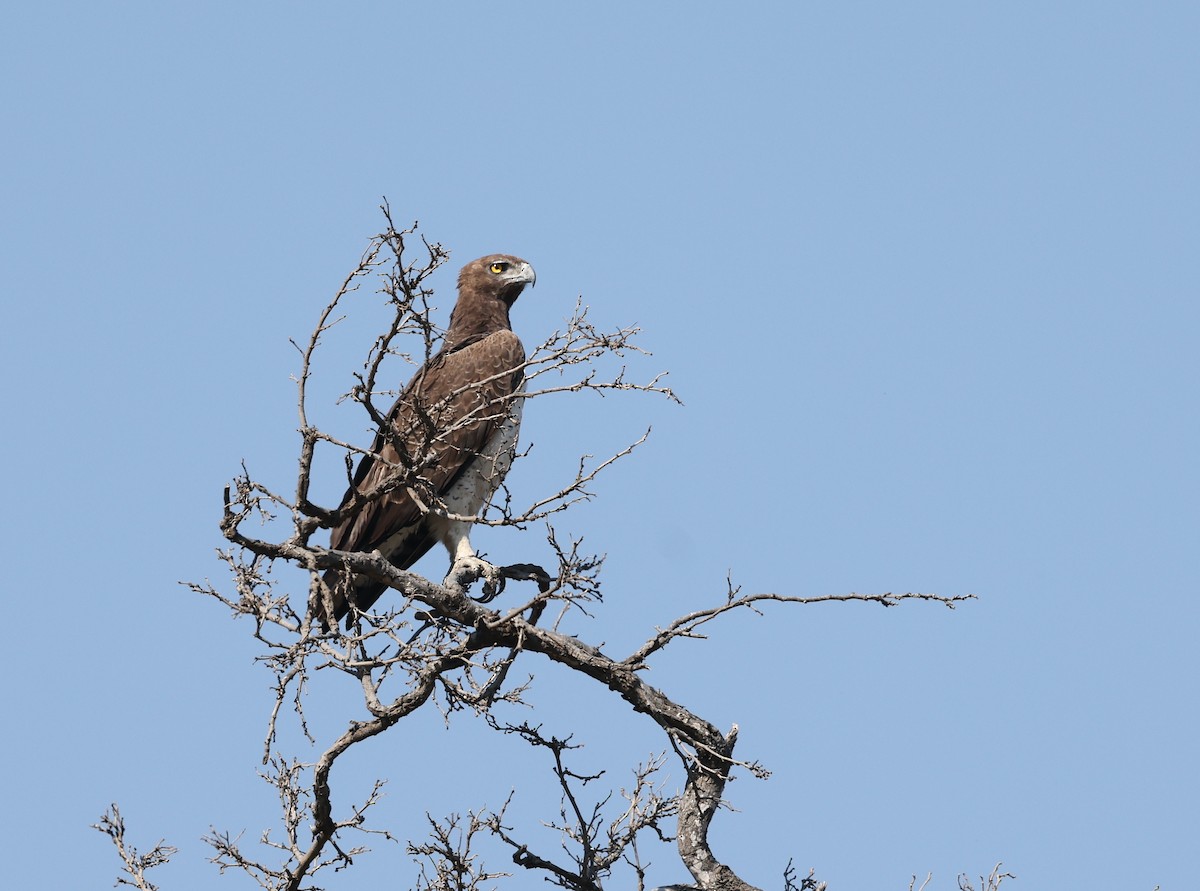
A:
[450,437]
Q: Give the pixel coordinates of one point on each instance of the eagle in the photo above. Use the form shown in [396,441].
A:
[447,442]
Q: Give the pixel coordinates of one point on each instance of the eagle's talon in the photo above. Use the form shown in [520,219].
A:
[468,570]
[492,588]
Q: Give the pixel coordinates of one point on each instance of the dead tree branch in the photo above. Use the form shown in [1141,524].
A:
[991,883]
[434,643]
[135,865]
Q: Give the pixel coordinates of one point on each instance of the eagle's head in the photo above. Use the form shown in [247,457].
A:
[497,275]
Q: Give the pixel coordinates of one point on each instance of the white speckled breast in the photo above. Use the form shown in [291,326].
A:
[483,477]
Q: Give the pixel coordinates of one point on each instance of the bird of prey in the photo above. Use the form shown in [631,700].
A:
[448,441]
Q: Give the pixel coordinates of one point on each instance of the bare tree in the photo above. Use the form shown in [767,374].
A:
[436,644]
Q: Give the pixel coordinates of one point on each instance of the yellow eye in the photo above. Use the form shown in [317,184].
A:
[498,268]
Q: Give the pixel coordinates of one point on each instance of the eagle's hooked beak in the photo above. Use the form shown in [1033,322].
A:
[526,275]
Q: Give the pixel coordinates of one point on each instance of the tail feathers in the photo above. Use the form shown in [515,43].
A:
[345,588]
[401,550]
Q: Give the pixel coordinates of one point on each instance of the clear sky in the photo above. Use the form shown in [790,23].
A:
[925,276]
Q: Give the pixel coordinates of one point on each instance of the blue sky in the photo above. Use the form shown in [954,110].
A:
[925,276]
